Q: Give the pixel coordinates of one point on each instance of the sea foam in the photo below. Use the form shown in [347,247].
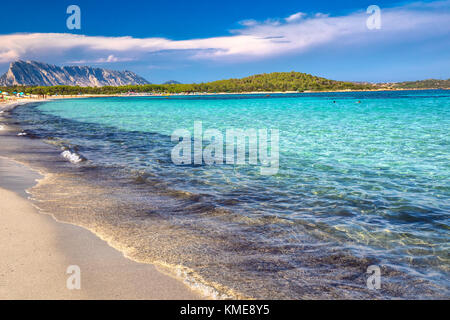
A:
[73,157]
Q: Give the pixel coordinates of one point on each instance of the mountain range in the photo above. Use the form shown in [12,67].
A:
[32,73]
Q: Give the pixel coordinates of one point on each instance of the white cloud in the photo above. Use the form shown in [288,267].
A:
[295,17]
[109,59]
[321,15]
[248,22]
[296,33]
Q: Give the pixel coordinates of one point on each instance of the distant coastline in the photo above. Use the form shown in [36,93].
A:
[13,101]
[266,83]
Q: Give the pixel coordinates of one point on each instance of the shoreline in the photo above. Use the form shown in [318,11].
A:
[61,211]
[21,101]
[37,249]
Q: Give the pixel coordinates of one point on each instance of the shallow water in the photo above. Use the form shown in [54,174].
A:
[358,184]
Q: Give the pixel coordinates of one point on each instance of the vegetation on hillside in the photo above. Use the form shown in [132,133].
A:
[424,84]
[271,82]
[277,81]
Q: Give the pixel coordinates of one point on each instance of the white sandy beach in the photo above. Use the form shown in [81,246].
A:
[36,251]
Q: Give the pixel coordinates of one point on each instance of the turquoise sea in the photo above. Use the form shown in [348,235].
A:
[363,179]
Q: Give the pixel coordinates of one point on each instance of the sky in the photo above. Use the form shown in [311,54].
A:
[205,40]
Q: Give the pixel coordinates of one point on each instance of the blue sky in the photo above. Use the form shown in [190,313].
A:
[194,41]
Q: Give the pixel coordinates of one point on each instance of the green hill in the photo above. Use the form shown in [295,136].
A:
[423,84]
[279,81]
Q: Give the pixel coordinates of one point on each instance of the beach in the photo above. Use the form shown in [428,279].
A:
[37,251]
[338,205]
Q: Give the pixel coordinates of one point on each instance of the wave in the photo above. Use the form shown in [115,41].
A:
[73,157]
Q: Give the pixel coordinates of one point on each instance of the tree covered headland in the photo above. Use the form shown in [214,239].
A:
[271,82]
[424,84]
